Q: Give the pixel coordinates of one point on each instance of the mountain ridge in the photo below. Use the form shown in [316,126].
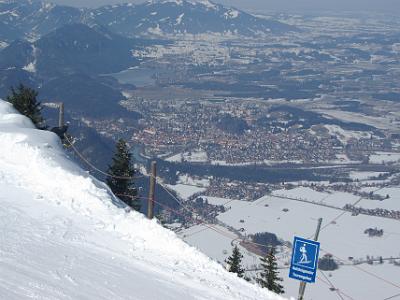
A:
[171,17]
[31,19]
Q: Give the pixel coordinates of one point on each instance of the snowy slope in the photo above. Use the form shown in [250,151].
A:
[64,236]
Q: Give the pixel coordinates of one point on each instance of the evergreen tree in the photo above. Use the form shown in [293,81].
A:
[327,263]
[122,171]
[235,262]
[24,100]
[269,276]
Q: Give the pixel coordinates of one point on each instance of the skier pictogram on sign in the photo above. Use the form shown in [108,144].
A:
[304,260]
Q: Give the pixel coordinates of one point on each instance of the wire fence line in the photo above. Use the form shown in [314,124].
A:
[392,297]
[328,283]
[92,166]
[221,232]
[332,286]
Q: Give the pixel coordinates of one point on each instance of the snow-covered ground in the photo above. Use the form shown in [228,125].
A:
[266,162]
[65,236]
[337,199]
[345,135]
[3,45]
[343,238]
[392,203]
[378,122]
[352,284]
[221,246]
[384,157]
[267,214]
[184,191]
[188,186]
[200,48]
[364,175]
[195,156]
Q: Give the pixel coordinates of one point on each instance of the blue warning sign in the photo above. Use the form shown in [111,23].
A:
[304,260]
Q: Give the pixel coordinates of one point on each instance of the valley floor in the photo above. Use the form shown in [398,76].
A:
[343,237]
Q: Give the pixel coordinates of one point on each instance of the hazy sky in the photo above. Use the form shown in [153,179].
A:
[279,5]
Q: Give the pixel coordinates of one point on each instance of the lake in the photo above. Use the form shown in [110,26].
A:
[137,76]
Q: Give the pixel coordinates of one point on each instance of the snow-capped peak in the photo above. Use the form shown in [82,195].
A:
[206,3]
[231,13]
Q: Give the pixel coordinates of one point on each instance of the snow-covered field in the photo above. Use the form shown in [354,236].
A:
[267,214]
[184,191]
[202,49]
[195,156]
[345,135]
[384,157]
[337,199]
[221,246]
[378,122]
[343,238]
[352,284]
[65,236]
[364,175]
[392,203]
[188,186]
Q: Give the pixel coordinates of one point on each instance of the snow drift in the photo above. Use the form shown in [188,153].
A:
[65,236]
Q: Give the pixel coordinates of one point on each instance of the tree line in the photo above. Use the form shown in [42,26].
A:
[269,276]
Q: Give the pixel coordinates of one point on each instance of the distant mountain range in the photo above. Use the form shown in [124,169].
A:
[30,19]
[183,16]
[63,52]
[43,41]
[67,64]
[70,49]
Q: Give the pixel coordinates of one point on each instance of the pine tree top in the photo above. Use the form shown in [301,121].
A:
[269,277]
[121,175]
[234,262]
[24,100]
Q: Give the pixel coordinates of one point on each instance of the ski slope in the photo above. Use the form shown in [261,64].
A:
[63,235]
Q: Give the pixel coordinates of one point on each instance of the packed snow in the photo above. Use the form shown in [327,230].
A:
[65,236]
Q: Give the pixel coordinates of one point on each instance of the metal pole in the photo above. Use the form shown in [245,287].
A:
[150,203]
[318,229]
[61,115]
[302,288]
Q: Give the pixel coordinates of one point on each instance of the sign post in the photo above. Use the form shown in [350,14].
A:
[304,263]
